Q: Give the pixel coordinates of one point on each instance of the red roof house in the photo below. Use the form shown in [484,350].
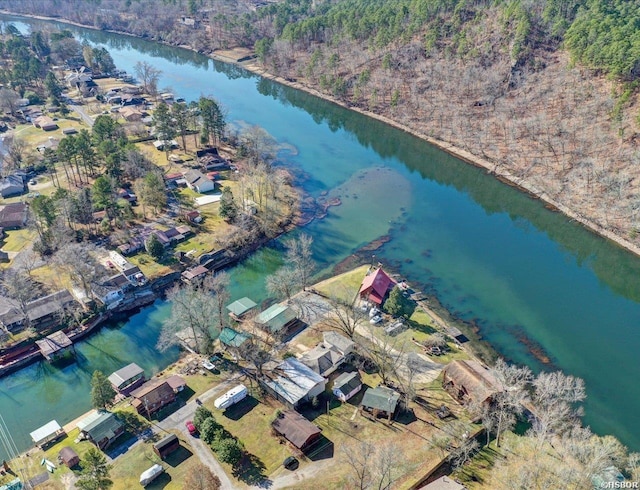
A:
[375,286]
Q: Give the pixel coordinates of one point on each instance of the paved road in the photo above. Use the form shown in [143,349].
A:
[82,113]
[177,419]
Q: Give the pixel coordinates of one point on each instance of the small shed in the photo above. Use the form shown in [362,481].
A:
[241,307]
[47,433]
[54,346]
[296,429]
[380,401]
[347,385]
[166,445]
[68,457]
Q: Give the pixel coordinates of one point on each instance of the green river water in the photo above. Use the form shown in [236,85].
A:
[490,254]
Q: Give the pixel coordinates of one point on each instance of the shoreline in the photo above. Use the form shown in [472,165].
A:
[492,169]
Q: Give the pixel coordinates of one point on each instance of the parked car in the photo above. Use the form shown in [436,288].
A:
[374,312]
[191,428]
[32,182]
[291,463]
[375,320]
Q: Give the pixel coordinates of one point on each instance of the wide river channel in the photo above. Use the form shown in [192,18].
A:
[525,275]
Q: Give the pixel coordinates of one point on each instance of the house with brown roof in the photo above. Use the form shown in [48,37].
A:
[152,396]
[375,286]
[194,274]
[296,429]
[469,381]
[14,216]
[45,123]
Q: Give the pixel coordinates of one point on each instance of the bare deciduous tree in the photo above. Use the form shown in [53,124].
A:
[373,466]
[554,398]
[194,315]
[343,316]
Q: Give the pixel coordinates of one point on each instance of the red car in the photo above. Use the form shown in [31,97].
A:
[191,428]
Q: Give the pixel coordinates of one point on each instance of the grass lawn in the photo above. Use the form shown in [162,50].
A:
[16,240]
[52,276]
[250,422]
[31,464]
[150,267]
[344,285]
[127,469]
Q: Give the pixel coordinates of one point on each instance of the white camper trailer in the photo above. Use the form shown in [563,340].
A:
[230,397]
[151,474]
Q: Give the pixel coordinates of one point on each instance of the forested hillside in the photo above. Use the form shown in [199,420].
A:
[545,90]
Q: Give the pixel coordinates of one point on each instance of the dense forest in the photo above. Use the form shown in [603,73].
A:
[544,90]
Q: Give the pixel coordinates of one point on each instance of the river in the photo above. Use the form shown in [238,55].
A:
[525,275]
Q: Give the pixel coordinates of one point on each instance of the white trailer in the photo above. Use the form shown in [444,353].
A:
[151,474]
[230,397]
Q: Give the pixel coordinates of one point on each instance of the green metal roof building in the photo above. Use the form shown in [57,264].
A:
[102,428]
[241,307]
[233,338]
[276,317]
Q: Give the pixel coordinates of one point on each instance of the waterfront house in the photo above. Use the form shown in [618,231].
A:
[380,401]
[241,307]
[49,311]
[68,457]
[469,381]
[347,385]
[296,429]
[177,383]
[277,319]
[47,433]
[111,291]
[375,286]
[198,182]
[101,428]
[14,216]
[55,345]
[194,275]
[152,396]
[127,379]
[12,185]
[294,383]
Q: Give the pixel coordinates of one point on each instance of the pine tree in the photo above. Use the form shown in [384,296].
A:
[102,393]
[95,472]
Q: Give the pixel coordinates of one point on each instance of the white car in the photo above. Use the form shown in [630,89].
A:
[375,320]
[374,312]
